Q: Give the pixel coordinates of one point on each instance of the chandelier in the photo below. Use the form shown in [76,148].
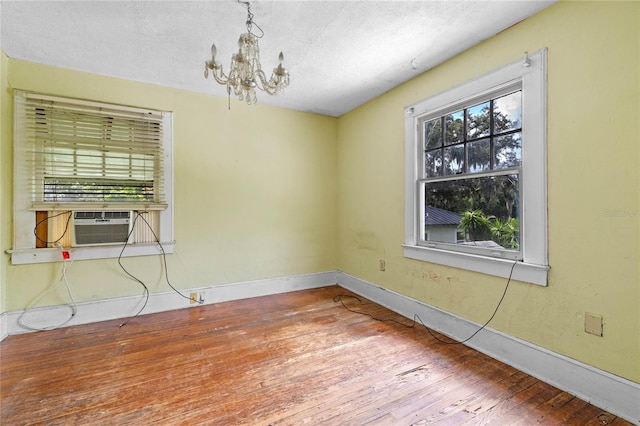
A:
[246,72]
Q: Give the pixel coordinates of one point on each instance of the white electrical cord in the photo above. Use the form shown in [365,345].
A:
[74,305]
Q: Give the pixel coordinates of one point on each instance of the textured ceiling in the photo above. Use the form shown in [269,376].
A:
[340,54]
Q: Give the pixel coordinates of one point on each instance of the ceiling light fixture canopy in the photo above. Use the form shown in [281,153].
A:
[246,72]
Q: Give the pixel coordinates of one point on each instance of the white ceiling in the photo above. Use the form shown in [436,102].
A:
[340,54]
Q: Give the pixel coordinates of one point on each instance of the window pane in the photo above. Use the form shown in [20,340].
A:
[454,159]
[142,167]
[87,190]
[454,128]
[433,133]
[118,165]
[479,212]
[59,162]
[478,123]
[479,156]
[433,163]
[89,163]
[507,151]
[507,113]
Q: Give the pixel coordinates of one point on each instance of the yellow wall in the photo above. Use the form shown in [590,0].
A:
[254,196]
[285,193]
[593,188]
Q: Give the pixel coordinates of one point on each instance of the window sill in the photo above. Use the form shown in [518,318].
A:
[46,255]
[525,272]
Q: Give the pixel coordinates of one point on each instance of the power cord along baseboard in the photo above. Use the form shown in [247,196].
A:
[418,320]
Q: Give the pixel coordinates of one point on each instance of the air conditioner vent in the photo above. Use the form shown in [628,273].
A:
[97,228]
[101,215]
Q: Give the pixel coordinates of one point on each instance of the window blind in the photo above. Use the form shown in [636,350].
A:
[84,155]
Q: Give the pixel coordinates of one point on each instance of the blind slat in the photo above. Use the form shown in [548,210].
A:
[71,105]
[140,146]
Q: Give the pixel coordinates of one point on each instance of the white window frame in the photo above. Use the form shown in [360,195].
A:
[531,75]
[24,241]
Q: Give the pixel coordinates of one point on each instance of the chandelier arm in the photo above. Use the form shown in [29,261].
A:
[275,84]
[263,81]
[219,75]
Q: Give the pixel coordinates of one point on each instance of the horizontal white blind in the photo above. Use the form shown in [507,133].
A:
[85,155]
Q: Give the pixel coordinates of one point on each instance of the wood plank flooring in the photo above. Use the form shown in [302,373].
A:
[292,359]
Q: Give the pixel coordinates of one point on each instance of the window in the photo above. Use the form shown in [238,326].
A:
[476,174]
[470,177]
[76,156]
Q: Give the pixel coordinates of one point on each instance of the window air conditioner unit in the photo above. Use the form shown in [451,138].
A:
[97,228]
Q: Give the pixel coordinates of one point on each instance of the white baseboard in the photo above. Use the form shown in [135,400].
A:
[125,307]
[3,326]
[615,394]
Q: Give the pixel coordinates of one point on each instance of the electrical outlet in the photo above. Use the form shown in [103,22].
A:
[383,266]
[193,298]
[593,324]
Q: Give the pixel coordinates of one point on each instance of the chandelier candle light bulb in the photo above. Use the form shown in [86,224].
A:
[246,74]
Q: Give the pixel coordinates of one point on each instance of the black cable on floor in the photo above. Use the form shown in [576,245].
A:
[417,319]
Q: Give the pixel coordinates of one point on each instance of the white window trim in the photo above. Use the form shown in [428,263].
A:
[531,72]
[24,251]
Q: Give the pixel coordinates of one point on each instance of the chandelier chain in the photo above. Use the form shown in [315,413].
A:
[250,22]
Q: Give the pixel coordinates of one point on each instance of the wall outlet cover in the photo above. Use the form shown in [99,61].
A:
[593,324]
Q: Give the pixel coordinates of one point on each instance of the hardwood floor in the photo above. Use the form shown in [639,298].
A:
[291,359]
